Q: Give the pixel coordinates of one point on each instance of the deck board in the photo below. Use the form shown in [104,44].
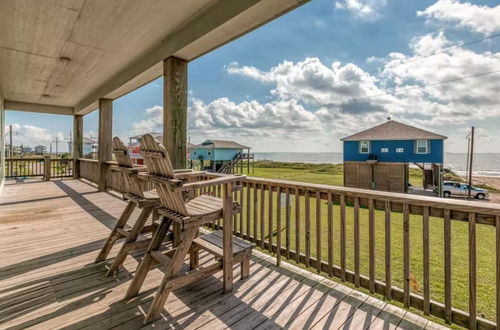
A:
[50,233]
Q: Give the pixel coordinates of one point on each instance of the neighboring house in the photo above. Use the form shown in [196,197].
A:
[89,146]
[134,146]
[40,150]
[379,157]
[27,149]
[220,155]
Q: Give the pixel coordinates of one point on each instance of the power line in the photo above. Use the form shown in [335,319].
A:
[405,89]
[416,59]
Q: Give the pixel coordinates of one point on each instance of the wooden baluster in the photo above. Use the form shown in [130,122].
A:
[235,215]
[371,242]
[278,226]
[330,234]
[297,225]
[241,213]
[342,239]
[425,243]
[497,224]
[447,266]
[472,272]
[307,210]
[388,275]
[406,254]
[262,213]
[270,218]
[356,242]
[318,231]
[255,211]
[287,221]
[248,231]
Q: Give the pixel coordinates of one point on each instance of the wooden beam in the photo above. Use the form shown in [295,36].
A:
[207,21]
[175,110]
[77,144]
[104,139]
[37,107]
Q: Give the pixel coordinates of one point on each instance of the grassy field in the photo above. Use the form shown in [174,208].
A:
[332,174]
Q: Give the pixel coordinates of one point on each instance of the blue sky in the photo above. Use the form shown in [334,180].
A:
[326,70]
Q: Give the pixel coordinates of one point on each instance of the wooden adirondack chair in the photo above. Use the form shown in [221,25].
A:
[188,216]
[136,197]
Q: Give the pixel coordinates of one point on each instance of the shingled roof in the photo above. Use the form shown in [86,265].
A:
[393,130]
[221,144]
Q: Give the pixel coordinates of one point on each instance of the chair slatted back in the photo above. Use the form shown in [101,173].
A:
[158,162]
[132,184]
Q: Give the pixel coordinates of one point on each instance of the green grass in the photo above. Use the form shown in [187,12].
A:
[331,174]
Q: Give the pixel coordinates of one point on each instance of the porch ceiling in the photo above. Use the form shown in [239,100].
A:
[70,53]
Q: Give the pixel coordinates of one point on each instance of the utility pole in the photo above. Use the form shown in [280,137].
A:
[57,145]
[70,144]
[10,141]
[50,152]
[470,161]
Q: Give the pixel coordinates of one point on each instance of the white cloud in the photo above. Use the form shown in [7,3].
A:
[29,135]
[153,123]
[481,19]
[368,10]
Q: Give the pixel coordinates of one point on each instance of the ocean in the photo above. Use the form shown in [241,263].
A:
[485,164]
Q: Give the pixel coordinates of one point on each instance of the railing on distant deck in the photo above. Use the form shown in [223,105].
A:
[312,216]
[45,167]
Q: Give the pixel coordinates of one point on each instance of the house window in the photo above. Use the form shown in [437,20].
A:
[422,147]
[364,147]
[384,150]
[400,150]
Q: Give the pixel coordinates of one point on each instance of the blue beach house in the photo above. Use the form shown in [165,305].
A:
[221,156]
[379,157]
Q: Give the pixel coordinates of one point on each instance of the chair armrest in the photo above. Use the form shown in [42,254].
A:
[212,182]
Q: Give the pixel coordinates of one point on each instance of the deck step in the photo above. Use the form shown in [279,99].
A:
[213,244]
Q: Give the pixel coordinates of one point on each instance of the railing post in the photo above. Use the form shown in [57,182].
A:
[46,168]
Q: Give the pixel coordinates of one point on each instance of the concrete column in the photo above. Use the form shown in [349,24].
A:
[175,110]
[77,144]
[104,152]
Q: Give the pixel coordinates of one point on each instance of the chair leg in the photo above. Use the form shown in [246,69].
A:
[113,236]
[147,261]
[186,239]
[245,267]
[132,237]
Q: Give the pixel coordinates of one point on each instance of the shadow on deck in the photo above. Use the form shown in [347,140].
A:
[52,231]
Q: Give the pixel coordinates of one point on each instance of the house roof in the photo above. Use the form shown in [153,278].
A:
[393,130]
[156,135]
[87,140]
[221,144]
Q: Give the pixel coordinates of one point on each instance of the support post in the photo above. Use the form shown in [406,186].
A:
[46,168]
[104,140]
[175,110]
[77,144]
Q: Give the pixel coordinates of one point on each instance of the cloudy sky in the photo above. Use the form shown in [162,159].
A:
[327,70]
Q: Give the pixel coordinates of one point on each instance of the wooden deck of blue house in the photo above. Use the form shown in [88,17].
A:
[51,232]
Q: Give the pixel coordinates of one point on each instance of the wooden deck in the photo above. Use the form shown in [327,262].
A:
[50,233]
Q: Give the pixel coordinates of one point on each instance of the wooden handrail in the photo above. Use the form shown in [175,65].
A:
[262,201]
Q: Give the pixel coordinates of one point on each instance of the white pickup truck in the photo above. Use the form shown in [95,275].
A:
[453,188]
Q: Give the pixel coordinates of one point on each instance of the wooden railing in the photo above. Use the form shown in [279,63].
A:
[388,243]
[89,170]
[45,167]
[420,251]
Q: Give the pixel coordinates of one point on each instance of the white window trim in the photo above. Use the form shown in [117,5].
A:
[426,147]
[360,149]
